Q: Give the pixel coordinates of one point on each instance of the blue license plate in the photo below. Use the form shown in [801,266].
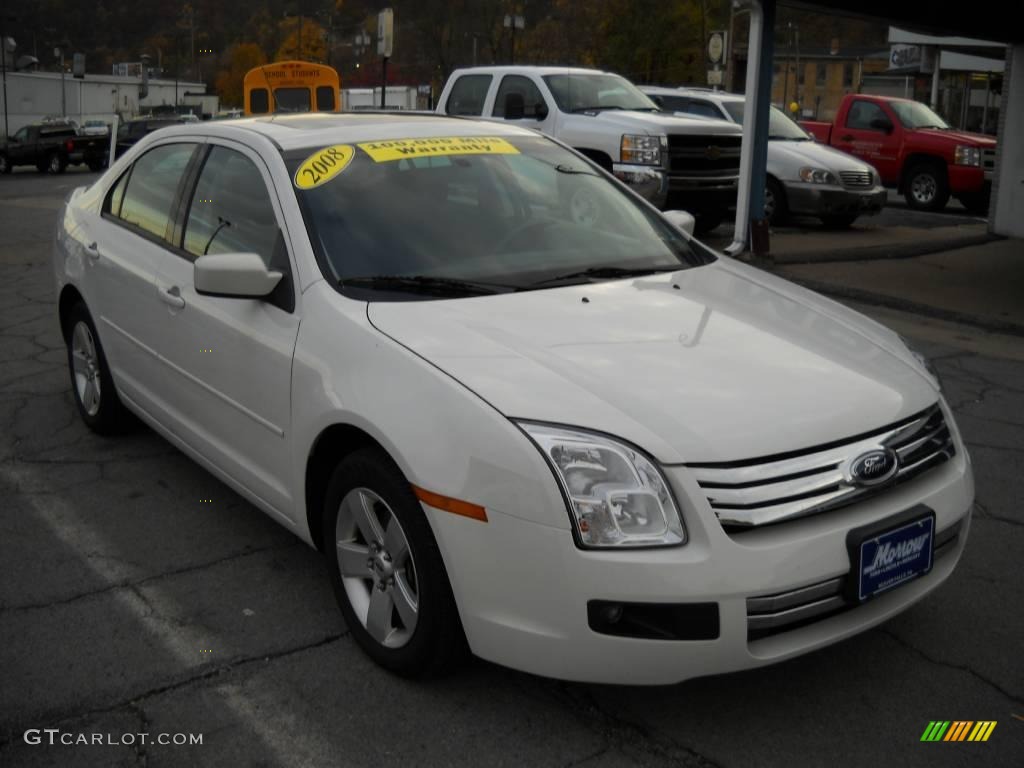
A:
[894,557]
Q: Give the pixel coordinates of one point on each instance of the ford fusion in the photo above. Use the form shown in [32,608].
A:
[521,412]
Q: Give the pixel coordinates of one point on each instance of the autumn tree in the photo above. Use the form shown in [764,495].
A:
[303,40]
[241,58]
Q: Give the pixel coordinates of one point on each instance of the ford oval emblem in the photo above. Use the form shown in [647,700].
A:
[873,467]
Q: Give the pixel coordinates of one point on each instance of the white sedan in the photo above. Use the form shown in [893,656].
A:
[518,409]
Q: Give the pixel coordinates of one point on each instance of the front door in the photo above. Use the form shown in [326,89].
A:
[860,136]
[230,358]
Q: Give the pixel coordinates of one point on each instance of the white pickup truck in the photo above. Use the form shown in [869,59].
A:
[674,162]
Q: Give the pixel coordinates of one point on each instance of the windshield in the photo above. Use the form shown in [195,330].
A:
[580,93]
[517,214]
[779,126]
[913,114]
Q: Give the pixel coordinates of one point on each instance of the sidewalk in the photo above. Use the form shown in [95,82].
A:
[981,285]
[867,242]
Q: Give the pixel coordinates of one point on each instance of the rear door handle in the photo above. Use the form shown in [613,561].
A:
[92,251]
[172,296]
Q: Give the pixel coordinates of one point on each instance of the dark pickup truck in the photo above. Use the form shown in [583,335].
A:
[52,148]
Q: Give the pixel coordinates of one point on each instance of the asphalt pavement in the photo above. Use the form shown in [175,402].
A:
[138,594]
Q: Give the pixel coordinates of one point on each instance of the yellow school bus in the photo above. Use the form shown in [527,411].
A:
[291,86]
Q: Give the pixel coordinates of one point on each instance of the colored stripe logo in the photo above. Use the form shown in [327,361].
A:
[958,730]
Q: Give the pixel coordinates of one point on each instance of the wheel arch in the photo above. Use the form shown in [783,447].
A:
[915,159]
[69,297]
[599,157]
[331,445]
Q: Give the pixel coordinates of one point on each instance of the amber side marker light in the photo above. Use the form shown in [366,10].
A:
[448,504]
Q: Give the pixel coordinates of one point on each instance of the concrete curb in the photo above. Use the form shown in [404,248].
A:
[885,250]
[903,305]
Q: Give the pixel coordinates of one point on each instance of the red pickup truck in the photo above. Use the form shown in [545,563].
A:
[913,149]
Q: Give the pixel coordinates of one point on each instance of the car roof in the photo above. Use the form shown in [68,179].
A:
[314,129]
[512,69]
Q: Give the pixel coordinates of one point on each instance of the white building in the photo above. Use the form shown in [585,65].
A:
[32,96]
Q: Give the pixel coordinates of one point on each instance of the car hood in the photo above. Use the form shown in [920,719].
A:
[793,155]
[963,137]
[731,364]
[658,122]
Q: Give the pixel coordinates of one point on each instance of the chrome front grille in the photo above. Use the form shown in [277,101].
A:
[857,179]
[756,492]
[772,614]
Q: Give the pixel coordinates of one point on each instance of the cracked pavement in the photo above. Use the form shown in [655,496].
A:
[129,606]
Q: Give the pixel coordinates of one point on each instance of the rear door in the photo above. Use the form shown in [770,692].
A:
[229,359]
[860,138]
[126,242]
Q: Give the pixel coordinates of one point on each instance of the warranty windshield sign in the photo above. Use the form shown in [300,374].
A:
[436,146]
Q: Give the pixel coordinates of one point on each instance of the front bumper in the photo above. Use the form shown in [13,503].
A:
[523,588]
[826,200]
[647,181]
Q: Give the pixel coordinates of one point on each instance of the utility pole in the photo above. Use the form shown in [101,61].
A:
[3,64]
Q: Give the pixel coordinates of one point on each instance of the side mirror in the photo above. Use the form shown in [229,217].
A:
[238,275]
[541,111]
[882,124]
[681,220]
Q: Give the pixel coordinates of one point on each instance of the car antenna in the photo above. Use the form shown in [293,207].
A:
[263,69]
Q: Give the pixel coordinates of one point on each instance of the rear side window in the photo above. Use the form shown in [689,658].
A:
[468,95]
[153,186]
[518,97]
[231,210]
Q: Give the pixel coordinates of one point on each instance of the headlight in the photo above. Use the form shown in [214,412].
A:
[617,497]
[967,155]
[817,176]
[925,363]
[641,149]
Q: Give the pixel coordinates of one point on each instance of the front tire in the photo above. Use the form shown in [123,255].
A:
[926,187]
[91,382]
[5,164]
[775,208]
[386,569]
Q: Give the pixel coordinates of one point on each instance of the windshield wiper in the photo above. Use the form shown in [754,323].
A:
[598,108]
[423,284]
[602,272]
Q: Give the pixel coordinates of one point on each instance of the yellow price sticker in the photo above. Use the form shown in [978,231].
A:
[436,146]
[323,165]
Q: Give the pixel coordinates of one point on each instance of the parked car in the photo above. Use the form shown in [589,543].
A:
[804,177]
[514,405]
[131,131]
[51,148]
[95,128]
[673,162]
[914,150]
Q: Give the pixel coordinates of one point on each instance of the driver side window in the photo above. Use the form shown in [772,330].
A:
[519,98]
[862,113]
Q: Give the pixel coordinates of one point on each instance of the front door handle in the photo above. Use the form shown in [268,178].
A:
[172,296]
[92,250]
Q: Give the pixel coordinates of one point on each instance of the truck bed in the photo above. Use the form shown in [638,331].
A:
[819,130]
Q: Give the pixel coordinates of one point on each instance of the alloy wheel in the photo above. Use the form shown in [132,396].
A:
[86,368]
[55,163]
[377,568]
[923,188]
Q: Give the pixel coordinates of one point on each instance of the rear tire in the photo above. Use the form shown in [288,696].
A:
[926,187]
[91,384]
[374,528]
